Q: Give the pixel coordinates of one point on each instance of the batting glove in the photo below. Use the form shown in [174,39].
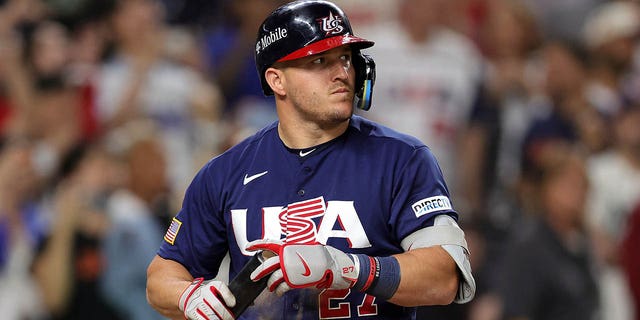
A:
[303,266]
[207,300]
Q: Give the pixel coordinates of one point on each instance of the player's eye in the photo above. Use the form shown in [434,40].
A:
[346,60]
[320,60]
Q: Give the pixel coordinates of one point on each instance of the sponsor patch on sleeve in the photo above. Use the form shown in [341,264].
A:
[172,232]
[431,204]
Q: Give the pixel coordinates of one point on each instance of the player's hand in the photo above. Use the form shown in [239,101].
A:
[271,249]
[303,266]
[207,300]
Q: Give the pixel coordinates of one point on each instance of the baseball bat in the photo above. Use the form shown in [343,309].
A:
[243,288]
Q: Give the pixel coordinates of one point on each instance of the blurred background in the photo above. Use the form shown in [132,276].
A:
[532,107]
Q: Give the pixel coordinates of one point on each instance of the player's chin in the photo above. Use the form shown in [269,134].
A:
[344,107]
[341,115]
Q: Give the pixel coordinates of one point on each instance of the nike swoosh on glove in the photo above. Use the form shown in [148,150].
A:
[207,300]
[303,266]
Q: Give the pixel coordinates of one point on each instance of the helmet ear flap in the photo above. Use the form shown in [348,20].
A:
[365,78]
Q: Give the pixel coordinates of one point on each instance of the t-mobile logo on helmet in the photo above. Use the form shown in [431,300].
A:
[271,37]
[331,24]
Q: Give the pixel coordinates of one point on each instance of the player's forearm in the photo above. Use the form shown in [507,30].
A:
[429,276]
[166,280]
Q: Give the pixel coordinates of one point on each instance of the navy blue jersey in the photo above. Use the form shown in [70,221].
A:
[362,192]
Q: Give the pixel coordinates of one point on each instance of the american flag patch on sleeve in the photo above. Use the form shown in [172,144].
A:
[172,232]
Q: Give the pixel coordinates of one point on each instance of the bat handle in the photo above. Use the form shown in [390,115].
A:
[243,288]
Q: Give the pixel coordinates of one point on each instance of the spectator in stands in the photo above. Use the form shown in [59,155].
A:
[615,176]
[138,216]
[229,51]
[431,80]
[15,83]
[89,45]
[512,87]
[46,105]
[629,258]
[22,227]
[71,262]
[141,81]
[570,113]
[610,33]
[547,270]
[562,19]
[568,117]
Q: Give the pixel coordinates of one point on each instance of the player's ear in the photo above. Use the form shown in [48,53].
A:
[275,79]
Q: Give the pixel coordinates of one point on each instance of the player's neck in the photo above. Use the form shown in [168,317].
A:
[301,136]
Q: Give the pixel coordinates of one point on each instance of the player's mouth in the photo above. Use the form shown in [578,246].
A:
[341,90]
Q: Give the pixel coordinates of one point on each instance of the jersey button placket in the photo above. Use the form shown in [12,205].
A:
[305,173]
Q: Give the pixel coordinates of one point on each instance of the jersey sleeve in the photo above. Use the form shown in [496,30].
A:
[197,236]
[420,194]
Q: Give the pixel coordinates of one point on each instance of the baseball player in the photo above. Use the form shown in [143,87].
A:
[355,217]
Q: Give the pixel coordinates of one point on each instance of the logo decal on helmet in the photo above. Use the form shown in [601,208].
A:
[331,24]
[270,38]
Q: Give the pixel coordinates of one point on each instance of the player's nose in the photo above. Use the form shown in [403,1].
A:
[340,70]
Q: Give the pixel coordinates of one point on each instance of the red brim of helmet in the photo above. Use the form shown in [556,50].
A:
[328,44]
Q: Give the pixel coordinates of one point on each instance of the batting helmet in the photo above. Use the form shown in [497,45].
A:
[307,27]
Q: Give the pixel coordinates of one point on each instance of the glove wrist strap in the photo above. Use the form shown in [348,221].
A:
[188,292]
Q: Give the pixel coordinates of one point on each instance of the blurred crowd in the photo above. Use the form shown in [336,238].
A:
[532,107]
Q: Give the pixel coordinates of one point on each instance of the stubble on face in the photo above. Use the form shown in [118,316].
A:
[318,92]
[326,112]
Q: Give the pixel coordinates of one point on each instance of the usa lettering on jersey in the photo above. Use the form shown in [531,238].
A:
[295,222]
